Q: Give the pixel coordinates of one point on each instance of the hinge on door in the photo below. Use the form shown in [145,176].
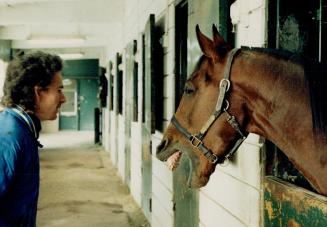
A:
[150,205]
[174,206]
[151,147]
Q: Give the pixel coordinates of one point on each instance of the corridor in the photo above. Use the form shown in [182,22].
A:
[80,187]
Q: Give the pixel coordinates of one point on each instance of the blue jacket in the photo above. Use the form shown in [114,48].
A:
[19,169]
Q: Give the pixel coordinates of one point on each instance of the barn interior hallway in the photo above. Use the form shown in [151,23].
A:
[80,187]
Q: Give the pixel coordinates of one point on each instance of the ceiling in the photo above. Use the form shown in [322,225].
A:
[98,22]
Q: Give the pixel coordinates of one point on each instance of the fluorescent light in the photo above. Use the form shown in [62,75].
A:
[66,56]
[47,41]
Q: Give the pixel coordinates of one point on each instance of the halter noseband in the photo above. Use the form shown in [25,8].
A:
[197,139]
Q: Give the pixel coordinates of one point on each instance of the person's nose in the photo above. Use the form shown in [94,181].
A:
[62,98]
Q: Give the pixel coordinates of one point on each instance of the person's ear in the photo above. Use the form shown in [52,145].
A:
[37,93]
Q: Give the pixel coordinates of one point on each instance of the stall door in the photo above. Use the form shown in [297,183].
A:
[78,111]
[129,80]
[69,110]
[88,89]
[147,125]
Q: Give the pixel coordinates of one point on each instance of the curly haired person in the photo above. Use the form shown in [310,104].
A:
[32,93]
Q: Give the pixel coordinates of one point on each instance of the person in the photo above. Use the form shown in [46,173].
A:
[32,93]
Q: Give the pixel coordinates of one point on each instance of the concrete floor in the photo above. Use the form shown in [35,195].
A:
[80,187]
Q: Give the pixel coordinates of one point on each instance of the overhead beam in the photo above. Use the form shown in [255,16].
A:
[14,32]
[17,2]
[53,12]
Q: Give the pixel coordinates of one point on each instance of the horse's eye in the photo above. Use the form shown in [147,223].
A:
[188,89]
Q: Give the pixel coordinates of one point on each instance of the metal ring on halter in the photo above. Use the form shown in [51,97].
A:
[227,105]
[224,163]
[227,81]
[214,158]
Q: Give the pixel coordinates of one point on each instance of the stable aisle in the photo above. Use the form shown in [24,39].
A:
[80,187]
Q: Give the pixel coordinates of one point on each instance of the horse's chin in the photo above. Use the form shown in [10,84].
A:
[195,181]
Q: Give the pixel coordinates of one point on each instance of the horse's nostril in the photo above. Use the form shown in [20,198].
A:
[161,146]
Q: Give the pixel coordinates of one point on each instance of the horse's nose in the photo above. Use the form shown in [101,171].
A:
[162,146]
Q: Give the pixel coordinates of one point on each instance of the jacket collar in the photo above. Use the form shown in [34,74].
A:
[31,120]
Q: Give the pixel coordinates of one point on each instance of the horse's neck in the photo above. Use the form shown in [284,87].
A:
[279,110]
[276,98]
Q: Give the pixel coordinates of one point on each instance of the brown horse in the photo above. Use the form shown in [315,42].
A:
[234,92]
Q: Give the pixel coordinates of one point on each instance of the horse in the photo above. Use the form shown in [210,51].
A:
[278,95]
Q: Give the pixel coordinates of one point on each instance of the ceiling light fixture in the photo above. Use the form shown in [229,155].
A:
[67,56]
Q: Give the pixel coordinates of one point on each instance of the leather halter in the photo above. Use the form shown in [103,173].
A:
[197,139]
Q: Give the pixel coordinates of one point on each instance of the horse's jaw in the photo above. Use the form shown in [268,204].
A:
[196,178]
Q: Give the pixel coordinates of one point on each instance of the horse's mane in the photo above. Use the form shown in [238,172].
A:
[316,78]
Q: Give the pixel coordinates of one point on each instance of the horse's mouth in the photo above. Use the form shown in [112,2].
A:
[171,156]
[193,181]
[168,154]
[172,161]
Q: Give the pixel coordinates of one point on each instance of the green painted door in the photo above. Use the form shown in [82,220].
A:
[69,110]
[147,126]
[85,74]
[87,103]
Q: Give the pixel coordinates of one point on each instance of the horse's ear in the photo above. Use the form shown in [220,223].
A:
[220,44]
[217,38]
[207,45]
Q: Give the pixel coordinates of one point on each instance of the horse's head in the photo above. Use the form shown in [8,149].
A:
[203,127]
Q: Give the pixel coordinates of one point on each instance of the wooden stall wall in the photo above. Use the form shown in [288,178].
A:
[121,103]
[112,111]
[140,25]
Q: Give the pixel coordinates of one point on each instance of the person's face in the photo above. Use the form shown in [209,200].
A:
[49,100]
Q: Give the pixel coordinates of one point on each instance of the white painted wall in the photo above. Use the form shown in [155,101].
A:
[121,146]
[113,138]
[249,19]
[162,190]
[114,119]
[234,191]
[136,162]
[137,14]
[105,128]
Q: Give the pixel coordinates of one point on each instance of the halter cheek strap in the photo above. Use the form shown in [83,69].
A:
[197,139]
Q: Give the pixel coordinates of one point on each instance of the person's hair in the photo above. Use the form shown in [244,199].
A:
[25,72]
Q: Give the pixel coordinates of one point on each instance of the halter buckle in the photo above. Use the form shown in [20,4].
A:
[214,158]
[195,141]
[225,82]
